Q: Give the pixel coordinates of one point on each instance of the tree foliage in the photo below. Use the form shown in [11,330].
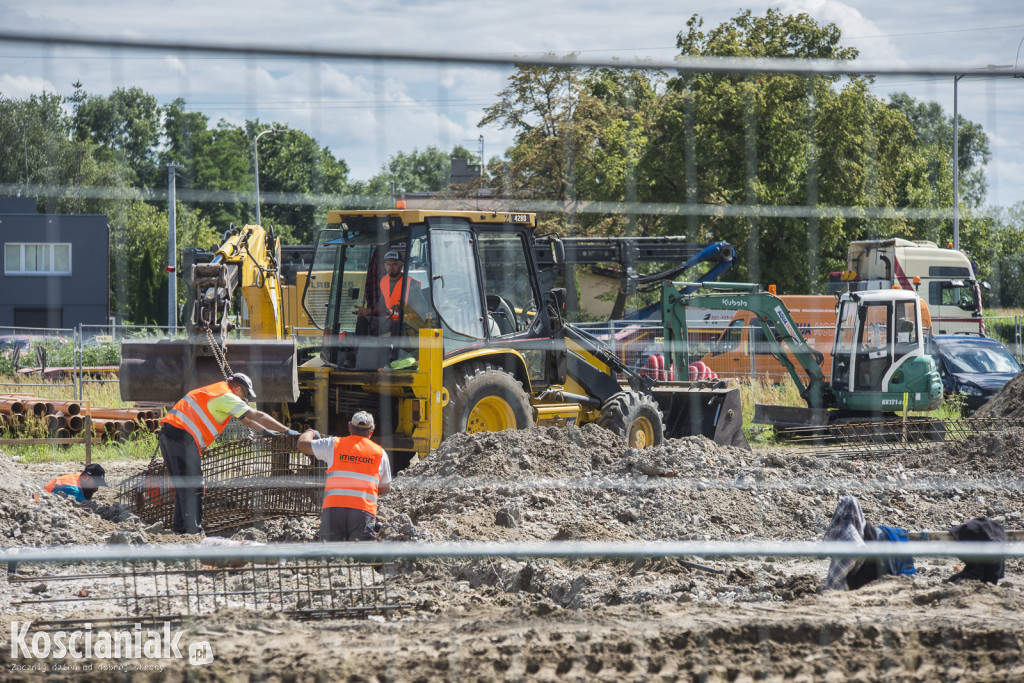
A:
[579,134]
[779,140]
[933,132]
[139,248]
[125,125]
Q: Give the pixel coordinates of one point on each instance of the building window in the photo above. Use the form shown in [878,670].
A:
[37,259]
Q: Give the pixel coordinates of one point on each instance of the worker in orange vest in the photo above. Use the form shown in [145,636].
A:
[82,486]
[358,471]
[191,426]
[382,314]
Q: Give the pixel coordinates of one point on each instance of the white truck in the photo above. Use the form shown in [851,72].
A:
[945,278]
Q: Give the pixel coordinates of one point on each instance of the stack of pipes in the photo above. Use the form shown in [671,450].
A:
[65,418]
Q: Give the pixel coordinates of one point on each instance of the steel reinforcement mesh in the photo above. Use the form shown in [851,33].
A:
[154,591]
[876,439]
[246,480]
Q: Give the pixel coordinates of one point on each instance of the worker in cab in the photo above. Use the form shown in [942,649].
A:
[80,487]
[191,426]
[358,471]
[382,313]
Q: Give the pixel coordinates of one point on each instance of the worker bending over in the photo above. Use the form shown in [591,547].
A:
[79,486]
[358,470]
[191,426]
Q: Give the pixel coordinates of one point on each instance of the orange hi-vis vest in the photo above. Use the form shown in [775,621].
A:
[193,415]
[354,474]
[64,480]
[393,295]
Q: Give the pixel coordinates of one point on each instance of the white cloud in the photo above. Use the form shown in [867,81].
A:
[18,87]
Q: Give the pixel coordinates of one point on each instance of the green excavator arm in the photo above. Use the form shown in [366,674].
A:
[780,331]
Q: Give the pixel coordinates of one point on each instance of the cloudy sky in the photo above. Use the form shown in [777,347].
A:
[366,111]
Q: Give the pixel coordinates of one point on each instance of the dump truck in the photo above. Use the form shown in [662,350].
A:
[945,278]
[879,362]
[480,345]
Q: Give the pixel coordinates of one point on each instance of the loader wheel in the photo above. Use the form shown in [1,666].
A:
[635,416]
[486,399]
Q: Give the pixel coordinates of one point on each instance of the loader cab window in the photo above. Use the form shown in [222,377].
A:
[510,296]
[455,286]
[316,296]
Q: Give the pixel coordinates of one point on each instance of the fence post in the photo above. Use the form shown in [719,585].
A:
[76,375]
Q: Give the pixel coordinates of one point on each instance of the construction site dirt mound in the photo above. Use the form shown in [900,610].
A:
[1008,401]
[711,618]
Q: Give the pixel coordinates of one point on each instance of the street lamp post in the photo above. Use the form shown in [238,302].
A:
[956,151]
[256,164]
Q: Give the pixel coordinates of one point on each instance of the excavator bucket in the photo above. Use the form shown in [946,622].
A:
[164,370]
[711,409]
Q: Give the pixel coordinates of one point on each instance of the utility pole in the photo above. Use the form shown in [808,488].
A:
[172,249]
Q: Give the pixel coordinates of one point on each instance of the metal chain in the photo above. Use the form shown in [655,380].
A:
[219,353]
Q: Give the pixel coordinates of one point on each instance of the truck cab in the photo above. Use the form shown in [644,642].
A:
[945,278]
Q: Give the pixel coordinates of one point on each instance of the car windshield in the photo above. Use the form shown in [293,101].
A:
[979,359]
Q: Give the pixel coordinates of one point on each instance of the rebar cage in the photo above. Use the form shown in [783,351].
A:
[246,480]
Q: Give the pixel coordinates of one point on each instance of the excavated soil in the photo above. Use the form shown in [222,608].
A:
[721,619]
[1008,402]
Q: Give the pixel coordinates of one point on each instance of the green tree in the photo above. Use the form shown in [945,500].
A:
[294,164]
[778,139]
[933,132]
[136,279]
[219,162]
[416,171]
[37,151]
[143,299]
[126,125]
[579,134]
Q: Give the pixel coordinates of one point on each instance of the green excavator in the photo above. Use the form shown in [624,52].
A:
[879,364]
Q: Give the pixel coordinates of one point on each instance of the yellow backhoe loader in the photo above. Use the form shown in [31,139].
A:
[473,344]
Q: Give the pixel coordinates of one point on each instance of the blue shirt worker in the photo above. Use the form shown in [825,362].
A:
[191,426]
[80,486]
[358,471]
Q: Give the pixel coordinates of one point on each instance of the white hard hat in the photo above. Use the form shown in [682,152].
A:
[362,419]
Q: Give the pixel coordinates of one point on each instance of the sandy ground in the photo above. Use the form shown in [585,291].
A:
[499,619]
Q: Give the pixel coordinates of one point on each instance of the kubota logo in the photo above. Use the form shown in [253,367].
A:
[738,303]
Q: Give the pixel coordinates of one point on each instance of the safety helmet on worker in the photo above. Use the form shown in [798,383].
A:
[245,382]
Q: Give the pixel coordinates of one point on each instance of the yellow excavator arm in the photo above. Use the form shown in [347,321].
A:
[166,369]
[254,256]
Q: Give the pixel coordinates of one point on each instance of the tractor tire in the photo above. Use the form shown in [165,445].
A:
[485,399]
[635,416]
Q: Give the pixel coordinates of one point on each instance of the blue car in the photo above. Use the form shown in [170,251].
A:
[972,366]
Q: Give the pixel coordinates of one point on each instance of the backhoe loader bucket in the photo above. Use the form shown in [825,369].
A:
[165,370]
[711,409]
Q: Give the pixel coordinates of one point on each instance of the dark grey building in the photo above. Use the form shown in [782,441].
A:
[56,268]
